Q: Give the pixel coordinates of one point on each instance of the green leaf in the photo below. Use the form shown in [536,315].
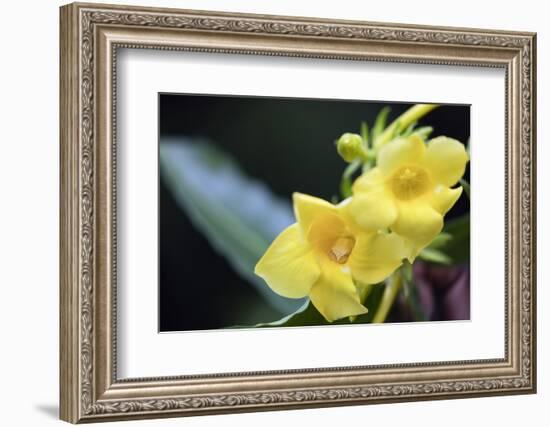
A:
[466,185]
[380,122]
[365,134]
[458,248]
[453,243]
[424,131]
[440,240]
[409,129]
[238,215]
[396,130]
[307,314]
[435,255]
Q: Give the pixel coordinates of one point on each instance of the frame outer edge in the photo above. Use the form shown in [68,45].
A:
[533,205]
[68,227]
[78,225]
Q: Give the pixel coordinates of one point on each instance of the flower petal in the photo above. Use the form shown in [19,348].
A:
[370,180]
[308,208]
[373,210]
[442,198]
[419,223]
[401,152]
[446,160]
[334,295]
[289,266]
[376,256]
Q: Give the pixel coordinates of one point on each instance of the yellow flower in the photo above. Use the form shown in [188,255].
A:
[409,189]
[324,254]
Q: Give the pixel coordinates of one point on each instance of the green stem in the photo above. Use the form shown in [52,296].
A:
[403,121]
[364,292]
[345,183]
[388,298]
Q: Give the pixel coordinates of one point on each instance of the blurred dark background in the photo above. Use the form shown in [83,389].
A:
[288,144]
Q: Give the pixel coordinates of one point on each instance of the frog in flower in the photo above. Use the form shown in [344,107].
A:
[389,215]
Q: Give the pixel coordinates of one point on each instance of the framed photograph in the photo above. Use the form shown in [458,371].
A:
[266,212]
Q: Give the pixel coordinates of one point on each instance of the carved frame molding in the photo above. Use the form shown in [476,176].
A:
[90,37]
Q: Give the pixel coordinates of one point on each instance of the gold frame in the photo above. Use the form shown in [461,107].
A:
[90,36]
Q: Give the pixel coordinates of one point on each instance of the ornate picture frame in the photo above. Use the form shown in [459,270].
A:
[90,37]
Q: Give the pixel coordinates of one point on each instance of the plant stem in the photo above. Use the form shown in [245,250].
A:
[388,297]
[403,121]
[345,183]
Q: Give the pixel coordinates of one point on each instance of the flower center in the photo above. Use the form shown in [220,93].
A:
[341,249]
[410,182]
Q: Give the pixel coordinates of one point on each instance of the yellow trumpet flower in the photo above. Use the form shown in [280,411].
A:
[409,189]
[325,256]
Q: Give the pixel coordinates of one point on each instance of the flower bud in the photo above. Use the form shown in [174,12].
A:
[350,147]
